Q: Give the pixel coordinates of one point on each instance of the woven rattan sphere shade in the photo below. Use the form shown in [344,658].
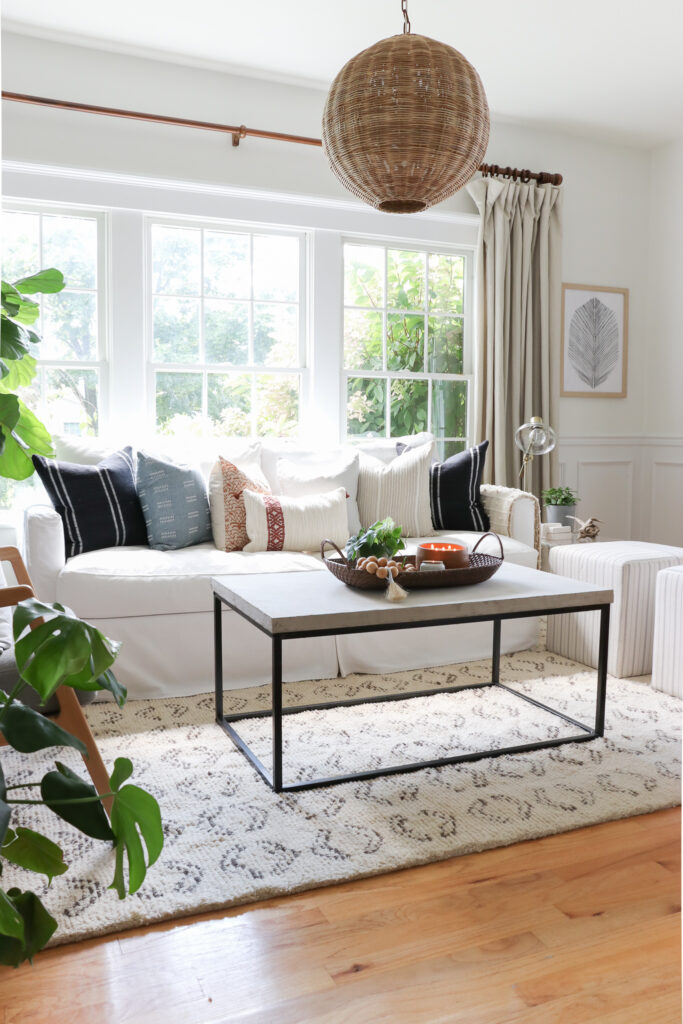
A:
[406,123]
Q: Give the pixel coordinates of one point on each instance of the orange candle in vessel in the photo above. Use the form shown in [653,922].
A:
[454,556]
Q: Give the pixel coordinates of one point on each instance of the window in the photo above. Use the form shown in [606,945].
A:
[406,361]
[66,392]
[227,329]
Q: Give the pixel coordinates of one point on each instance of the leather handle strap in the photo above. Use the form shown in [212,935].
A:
[490,534]
[332,544]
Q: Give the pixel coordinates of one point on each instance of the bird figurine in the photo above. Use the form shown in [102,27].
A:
[588,529]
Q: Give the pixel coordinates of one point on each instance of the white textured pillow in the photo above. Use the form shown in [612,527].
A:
[298,479]
[399,489]
[83,451]
[384,448]
[277,523]
[316,460]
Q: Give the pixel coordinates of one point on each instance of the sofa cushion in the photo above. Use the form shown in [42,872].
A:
[174,503]
[98,504]
[123,582]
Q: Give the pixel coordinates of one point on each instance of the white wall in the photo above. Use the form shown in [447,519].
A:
[664,363]
[614,213]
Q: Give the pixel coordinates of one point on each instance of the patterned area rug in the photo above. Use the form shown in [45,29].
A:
[230,840]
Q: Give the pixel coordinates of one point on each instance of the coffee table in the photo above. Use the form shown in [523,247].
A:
[288,606]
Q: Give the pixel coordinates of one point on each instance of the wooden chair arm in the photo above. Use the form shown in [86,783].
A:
[10,596]
[13,556]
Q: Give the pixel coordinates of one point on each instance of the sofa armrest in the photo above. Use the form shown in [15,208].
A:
[45,550]
[513,513]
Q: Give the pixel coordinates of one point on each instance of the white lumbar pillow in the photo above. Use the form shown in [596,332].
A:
[298,479]
[278,523]
[399,489]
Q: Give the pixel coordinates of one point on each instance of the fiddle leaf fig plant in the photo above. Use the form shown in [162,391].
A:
[21,432]
[53,648]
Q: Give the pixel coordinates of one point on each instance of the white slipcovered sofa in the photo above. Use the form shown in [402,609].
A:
[159,605]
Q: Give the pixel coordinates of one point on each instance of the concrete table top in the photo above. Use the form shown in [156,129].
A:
[282,603]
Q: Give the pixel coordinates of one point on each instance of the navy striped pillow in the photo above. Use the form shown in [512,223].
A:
[98,504]
[454,490]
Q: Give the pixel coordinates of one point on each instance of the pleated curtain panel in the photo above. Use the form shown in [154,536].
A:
[517,321]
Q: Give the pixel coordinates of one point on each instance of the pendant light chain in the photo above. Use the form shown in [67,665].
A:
[406,19]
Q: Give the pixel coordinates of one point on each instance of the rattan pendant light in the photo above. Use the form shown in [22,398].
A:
[406,122]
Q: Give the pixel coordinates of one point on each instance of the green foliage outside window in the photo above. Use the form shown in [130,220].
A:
[246,290]
[412,324]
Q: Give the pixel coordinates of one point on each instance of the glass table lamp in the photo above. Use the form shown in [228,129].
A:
[533,438]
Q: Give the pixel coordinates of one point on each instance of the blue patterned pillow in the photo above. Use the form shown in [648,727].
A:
[174,503]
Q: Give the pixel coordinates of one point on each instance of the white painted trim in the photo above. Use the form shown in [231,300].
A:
[620,441]
[195,188]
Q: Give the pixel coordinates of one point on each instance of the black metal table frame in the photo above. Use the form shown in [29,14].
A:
[277,712]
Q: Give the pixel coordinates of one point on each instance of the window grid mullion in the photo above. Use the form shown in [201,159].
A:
[252,409]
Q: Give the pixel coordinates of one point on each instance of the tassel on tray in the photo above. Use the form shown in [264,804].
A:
[394,592]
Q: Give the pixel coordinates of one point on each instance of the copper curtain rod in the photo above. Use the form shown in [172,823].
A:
[241,131]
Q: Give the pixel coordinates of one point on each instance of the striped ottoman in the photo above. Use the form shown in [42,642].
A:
[667,658]
[630,568]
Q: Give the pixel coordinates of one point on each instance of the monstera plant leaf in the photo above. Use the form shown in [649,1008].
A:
[25,926]
[62,650]
[594,342]
[135,817]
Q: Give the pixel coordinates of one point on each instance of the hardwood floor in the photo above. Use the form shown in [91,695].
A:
[581,927]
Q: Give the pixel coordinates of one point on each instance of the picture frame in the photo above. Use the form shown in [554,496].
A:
[594,354]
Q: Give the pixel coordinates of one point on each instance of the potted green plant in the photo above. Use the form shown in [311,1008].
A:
[53,648]
[382,539]
[560,505]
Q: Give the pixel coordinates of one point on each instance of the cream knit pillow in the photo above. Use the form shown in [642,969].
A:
[399,489]
[278,523]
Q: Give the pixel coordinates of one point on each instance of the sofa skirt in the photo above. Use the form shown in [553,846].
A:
[429,646]
[172,655]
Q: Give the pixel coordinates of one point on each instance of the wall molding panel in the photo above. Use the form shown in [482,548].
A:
[634,484]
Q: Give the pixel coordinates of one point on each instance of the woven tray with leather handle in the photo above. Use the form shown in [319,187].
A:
[481,567]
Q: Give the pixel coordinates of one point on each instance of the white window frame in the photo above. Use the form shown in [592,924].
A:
[202,366]
[467,375]
[102,291]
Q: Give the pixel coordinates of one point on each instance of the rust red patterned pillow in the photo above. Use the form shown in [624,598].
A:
[226,490]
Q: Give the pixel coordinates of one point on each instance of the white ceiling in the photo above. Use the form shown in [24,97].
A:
[609,69]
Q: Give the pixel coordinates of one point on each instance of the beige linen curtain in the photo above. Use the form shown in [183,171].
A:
[517,322]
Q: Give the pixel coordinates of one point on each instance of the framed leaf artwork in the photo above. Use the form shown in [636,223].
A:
[594,341]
